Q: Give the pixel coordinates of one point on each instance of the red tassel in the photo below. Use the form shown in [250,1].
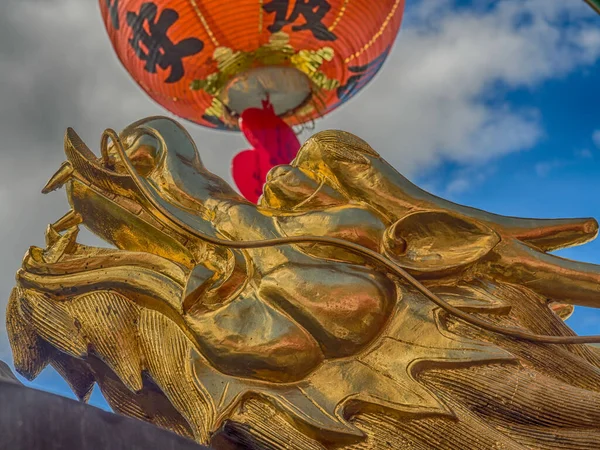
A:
[274,142]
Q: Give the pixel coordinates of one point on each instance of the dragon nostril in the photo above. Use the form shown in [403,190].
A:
[397,245]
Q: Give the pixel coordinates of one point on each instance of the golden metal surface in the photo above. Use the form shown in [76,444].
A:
[349,309]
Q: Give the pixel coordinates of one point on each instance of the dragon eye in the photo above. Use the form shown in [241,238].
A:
[143,151]
[145,154]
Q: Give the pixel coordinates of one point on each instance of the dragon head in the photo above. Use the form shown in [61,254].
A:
[209,302]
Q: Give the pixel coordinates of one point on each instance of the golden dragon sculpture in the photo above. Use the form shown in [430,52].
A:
[348,309]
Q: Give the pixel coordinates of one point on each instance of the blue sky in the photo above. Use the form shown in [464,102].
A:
[509,130]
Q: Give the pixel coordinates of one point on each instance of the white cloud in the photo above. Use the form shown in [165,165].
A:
[596,138]
[458,185]
[585,153]
[462,180]
[428,104]
[545,167]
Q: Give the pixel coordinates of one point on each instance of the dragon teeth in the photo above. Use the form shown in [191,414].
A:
[61,176]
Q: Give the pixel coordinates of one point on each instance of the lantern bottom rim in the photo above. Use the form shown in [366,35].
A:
[286,88]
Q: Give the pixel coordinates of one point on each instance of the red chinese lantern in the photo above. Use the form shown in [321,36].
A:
[209,61]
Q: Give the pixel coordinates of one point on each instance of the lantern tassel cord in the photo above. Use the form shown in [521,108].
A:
[354,248]
[273,142]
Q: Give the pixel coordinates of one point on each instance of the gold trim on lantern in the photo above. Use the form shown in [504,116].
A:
[339,16]
[277,51]
[376,35]
[211,35]
[260,16]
